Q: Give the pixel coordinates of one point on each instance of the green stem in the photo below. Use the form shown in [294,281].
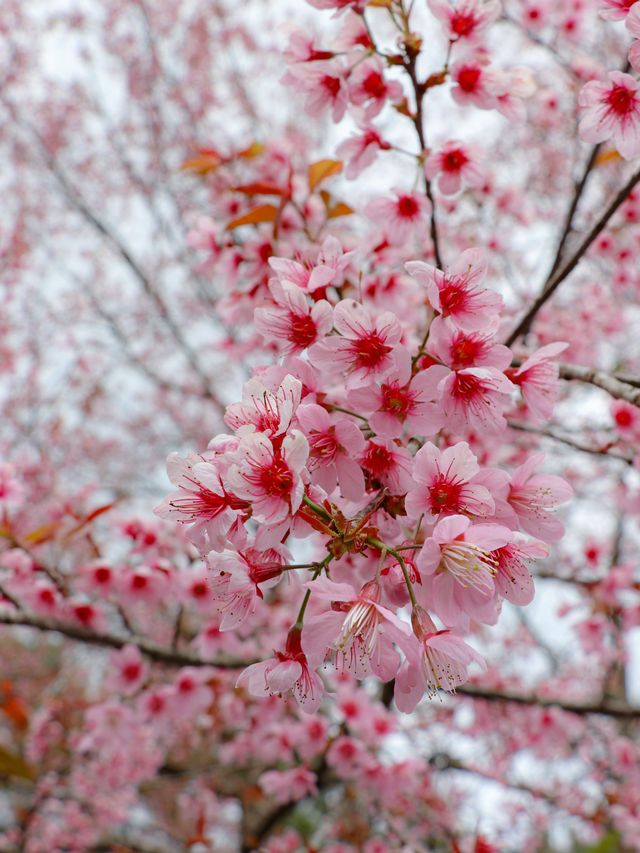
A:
[376,543]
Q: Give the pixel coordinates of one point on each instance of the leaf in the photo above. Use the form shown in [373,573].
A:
[14,765]
[321,170]
[260,188]
[610,156]
[385,4]
[41,534]
[252,151]
[262,213]
[89,518]
[339,209]
[205,162]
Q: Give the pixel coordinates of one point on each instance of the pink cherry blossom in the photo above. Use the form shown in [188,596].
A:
[454,167]
[475,82]
[387,464]
[401,215]
[269,412]
[128,670]
[325,86]
[438,660]
[443,484]
[293,320]
[459,349]
[363,349]
[612,111]
[456,293]
[369,88]
[334,444]
[615,10]
[533,497]
[475,398]
[513,579]
[537,378]
[360,151]
[400,402]
[466,19]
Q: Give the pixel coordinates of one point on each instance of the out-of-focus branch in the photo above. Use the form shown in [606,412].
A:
[567,268]
[155,651]
[617,387]
[609,708]
[570,442]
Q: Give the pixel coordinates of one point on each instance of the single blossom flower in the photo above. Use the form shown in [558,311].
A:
[267,411]
[328,268]
[533,497]
[293,321]
[387,465]
[465,19]
[436,660]
[458,349]
[360,151]
[474,82]
[612,111]
[400,215]
[444,484]
[537,378]
[454,167]
[369,88]
[615,10]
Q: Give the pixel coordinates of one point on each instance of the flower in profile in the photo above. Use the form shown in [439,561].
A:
[288,672]
[537,378]
[533,497]
[435,660]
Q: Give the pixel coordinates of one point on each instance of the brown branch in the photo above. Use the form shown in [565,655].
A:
[570,442]
[618,388]
[567,268]
[610,709]
[152,650]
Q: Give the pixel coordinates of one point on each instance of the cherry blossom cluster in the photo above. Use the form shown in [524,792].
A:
[350,441]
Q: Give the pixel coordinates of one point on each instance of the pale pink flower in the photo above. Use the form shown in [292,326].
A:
[239,579]
[456,292]
[633,26]
[12,492]
[288,672]
[325,85]
[189,694]
[401,215]
[537,378]
[513,579]
[387,464]
[474,82]
[612,111]
[340,6]
[454,167]
[269,477]
[369,87]
[458,568]
[437,660]
[459,349]
[400,401]
[200,500]
[444,484]
[533,497]
[334,444]
[627,419]
[269,412]
[141,585]
[358,629]
[363,349]
[329,268]
[361,151]
[293,321]
[615,10]
[465,19]
[128,670]
[285,786]
[517,84]
[475,398]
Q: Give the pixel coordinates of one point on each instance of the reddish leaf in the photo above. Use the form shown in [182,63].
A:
[321,170]
[205,162]
[260,188]
[262,213]
[340,209]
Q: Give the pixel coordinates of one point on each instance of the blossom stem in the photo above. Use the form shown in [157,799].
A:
[376,543]
[319,568]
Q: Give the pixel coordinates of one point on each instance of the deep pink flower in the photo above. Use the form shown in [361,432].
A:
[329,268]
[363,349]
[368,87]
[400,402]
[458,569]
[128,670]
[443,484]
[513,579]
[459,349]
[615,10]
[454,167]
[325,85]
[269,477]
[475,398]
[399,216]
[293,321]
[361,151]
[359,629]
[288,672]
[334,445]
[387,464]
[456,292]
[533,496]
[269,412]
[474,82]
[437,660]
[612,111]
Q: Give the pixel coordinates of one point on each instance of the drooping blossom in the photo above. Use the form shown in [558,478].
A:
[456,292]
[612,111]
[537,378]
[334,444]
[325,85]
[363,349]
[454,167]
[360,151]
[512,578]
[533,497]
[357,627]
[437,660]
[288,672]
[458,569]
[443,484]
[400,401]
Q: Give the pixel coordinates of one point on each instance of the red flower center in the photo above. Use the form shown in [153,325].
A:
[453,161]
[377,459]
[277,479]
[445,495]
[396,400]
[468,78]
[302,330]
[370,350]
[332,85]
[131,672]
[462,24]
[465,351]
[621,100]
[407,207]
[374,85]
[452,296]
[623,417]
